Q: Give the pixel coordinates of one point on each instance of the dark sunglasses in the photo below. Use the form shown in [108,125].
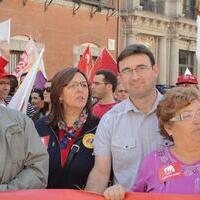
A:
[48,89]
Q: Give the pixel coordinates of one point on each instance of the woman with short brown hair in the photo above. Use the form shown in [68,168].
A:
[69,130]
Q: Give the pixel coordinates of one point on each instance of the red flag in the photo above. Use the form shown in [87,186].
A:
[86,62]
[105,61]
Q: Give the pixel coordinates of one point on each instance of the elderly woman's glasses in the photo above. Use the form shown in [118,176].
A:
[186,116]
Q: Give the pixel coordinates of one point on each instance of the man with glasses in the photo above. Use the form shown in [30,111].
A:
[130,130]
[103,88]
[4,79]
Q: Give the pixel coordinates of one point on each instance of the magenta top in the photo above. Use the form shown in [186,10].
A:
[162,172]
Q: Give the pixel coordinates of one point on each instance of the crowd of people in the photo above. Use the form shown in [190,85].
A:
[112,135]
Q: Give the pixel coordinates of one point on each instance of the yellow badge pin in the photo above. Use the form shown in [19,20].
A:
[88,140]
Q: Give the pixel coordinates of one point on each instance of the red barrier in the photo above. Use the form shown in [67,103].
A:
[81,195]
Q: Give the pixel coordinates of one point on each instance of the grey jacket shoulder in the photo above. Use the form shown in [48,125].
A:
[20,144]
[8,115]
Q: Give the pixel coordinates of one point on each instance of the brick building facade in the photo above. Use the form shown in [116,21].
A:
[63,27]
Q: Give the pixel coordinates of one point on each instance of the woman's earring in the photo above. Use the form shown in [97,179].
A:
[170,134]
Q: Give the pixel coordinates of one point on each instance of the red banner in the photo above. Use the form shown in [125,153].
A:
[105,61]
[82,195]
[86,62]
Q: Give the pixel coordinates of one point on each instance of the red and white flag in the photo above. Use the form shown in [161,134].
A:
[20,99]
[187,72]
[86,62]
[105,61]
[27,59]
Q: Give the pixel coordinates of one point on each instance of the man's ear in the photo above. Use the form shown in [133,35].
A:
[156,69]
[121,79]
[109,85]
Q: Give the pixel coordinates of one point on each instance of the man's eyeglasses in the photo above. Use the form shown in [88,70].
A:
[75,85]
[140,69]
[47,89]
[122,91]
[98,83]
[186,116]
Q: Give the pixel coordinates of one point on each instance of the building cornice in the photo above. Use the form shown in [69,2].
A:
[158,25]
[184,28]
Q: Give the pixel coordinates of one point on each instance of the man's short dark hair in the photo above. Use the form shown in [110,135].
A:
[109,77]
[13,84]
[133,50]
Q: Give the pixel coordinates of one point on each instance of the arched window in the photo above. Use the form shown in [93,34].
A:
[79,50]
[17,47]
[93,49]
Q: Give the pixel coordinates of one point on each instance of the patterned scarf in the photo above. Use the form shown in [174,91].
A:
[71,133]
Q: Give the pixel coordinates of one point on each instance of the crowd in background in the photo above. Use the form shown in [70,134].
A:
[111,135]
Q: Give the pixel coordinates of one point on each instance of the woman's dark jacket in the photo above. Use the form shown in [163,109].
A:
[74,173]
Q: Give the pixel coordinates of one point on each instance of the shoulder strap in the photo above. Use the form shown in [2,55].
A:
[74,150]
[75,147]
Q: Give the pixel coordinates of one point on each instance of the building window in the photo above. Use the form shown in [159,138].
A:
[18,44]
[14,59]
[93,57]
[186,59]
[189,10]
[79,50]
[157,6]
